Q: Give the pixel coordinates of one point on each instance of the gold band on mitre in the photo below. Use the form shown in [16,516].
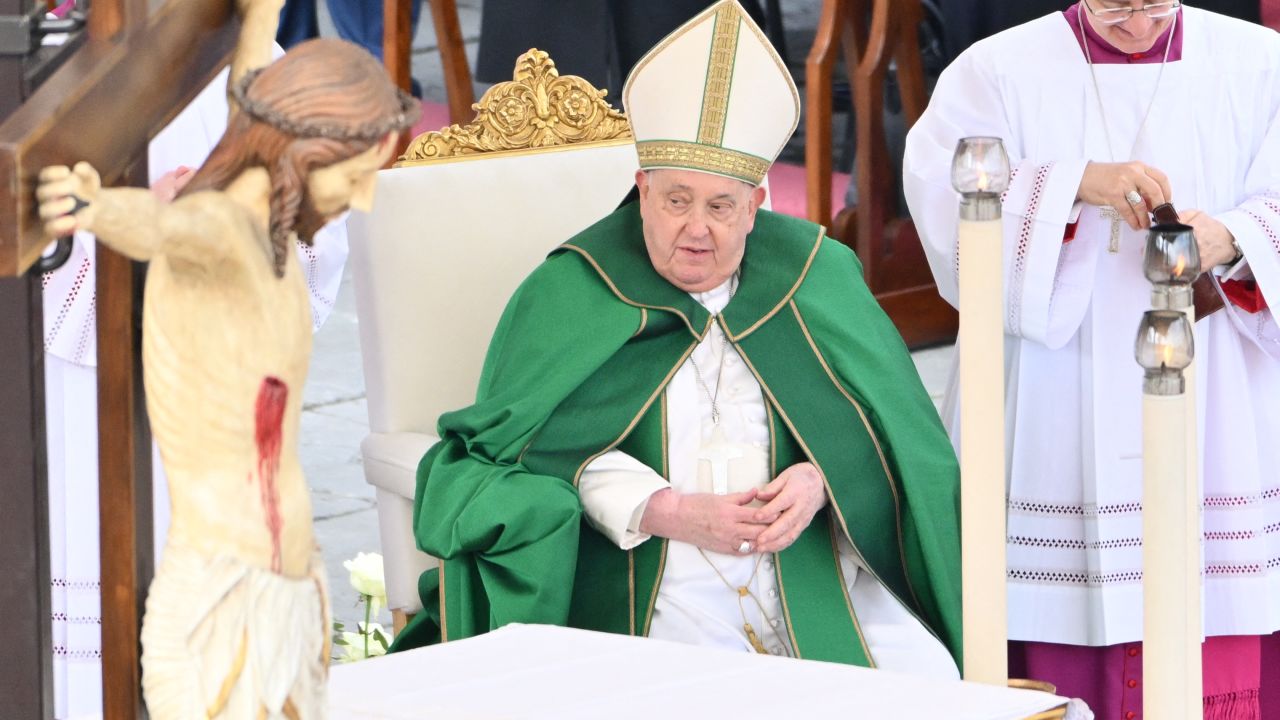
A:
[713,96]
[675,154]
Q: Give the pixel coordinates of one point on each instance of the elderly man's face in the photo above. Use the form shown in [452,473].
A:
[696,225]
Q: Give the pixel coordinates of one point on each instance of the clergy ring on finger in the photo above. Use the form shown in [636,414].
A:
[745,547]
[1134,197]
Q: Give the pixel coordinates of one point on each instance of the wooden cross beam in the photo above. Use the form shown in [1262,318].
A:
[141,66]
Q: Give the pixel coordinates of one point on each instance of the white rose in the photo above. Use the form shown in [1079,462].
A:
[353,643]
[366,577]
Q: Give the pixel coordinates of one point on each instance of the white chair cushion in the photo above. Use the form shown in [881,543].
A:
[391,460]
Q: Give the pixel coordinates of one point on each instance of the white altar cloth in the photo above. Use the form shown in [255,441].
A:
[539,672]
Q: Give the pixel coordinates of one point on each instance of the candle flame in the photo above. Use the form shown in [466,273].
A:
[984,180]
[1166,354]
[1182,265]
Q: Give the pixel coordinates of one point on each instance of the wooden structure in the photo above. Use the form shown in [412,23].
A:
[873,34]
[142,63]
[101,99]
[397,40]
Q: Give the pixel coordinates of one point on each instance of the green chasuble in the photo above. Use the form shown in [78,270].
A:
[578,366]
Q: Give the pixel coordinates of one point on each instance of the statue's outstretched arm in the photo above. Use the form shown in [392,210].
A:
[132,221]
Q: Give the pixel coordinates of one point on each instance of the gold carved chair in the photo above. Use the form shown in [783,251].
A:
[458,222]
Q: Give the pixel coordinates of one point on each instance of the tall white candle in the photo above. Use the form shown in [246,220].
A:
[980,173]
[1192,544]
[1170,554]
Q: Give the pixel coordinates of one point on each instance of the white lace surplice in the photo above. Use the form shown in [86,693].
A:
[1072,310]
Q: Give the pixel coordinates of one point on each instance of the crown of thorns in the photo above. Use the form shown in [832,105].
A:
[405,118]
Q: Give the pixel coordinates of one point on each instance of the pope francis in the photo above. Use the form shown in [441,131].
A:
[694,423]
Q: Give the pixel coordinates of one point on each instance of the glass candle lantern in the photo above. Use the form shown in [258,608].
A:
[1171,262]
[1164,348]
[980,172]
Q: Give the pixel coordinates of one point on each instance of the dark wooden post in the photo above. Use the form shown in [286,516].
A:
[124,439]
[26,677]
[453,58]
[26,674]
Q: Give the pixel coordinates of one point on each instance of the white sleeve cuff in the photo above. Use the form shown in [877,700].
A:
[615,489]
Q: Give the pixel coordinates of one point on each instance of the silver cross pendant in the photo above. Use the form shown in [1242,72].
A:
[1110,213]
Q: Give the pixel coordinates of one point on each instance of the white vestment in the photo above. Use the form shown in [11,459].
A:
[694,605]
[70,342]
[1073,403]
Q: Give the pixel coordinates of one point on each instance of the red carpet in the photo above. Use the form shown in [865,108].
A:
[786,181]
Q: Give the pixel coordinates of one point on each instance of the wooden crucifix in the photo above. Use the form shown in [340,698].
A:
[143,62]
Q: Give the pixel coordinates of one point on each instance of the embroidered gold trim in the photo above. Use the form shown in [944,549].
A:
[831,495]
[715,93]
[773,442]
[884,463]
[631,592]
[444,616]
[666,465]
[657,585]
[614,289]
[537,109]
[707,158]
[786,609]
[804,272]
[697,19]
[577,476]
[644,320]
[848,601]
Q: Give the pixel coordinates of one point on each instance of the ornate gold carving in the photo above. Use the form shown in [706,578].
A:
[538,108]
[708,158]
[715,95]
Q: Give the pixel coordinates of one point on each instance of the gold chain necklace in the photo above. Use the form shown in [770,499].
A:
[724,347]
[744,591]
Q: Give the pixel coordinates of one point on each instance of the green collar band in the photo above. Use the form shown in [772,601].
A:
[778,254]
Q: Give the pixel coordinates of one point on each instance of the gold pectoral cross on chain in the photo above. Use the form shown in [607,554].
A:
[1110,213]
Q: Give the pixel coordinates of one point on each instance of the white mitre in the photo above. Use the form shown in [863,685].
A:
[712,96]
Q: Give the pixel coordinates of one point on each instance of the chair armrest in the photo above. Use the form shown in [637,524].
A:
[391,465]
[391,460]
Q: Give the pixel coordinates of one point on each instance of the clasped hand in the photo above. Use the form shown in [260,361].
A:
[721,523]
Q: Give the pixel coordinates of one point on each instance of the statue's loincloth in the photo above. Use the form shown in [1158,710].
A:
[225,639]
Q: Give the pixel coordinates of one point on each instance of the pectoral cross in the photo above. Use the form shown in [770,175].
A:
[1110,213]
[718,453]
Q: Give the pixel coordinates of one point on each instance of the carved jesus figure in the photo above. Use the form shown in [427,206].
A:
[237,618]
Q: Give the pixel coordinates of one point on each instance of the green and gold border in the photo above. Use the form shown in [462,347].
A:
[706,158]
[715,93]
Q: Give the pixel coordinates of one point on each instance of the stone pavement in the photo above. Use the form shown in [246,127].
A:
[334,418]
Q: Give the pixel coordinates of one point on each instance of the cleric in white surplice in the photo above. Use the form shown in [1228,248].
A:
[1094,103]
